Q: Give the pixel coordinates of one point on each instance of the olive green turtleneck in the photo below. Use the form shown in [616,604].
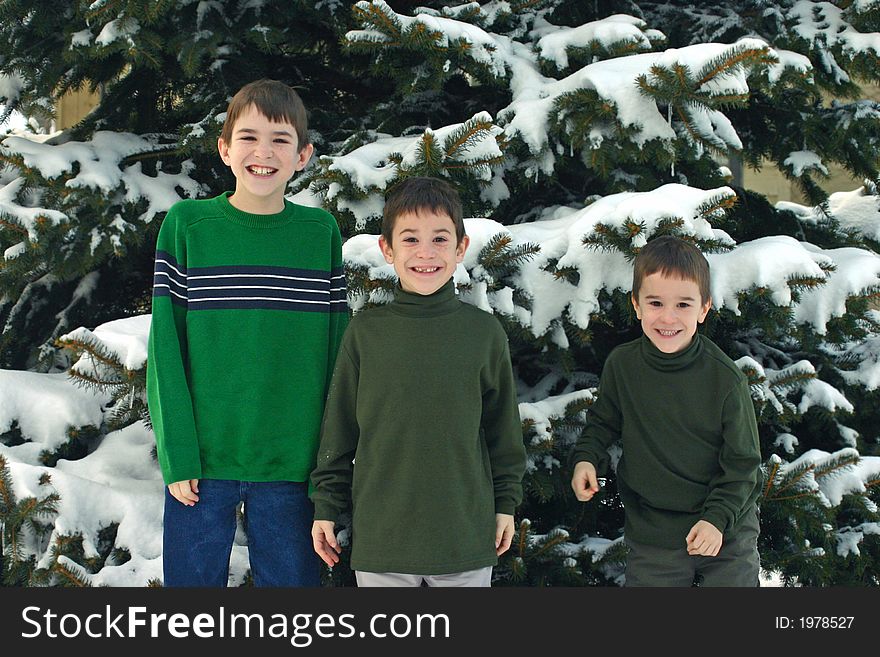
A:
[423,399]
[690,440]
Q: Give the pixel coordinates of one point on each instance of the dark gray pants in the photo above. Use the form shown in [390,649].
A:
[737,564]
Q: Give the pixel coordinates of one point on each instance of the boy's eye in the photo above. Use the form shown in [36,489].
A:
[282,140]
[656,304]
[410,240]
[684,304]
[440,239]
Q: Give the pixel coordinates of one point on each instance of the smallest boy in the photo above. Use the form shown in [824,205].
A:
[421,433]
[689,473]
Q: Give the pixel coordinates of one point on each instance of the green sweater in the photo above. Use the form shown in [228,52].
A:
[422,436]
[248,313]
[690,440]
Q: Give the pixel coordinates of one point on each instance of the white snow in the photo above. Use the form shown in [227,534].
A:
[855,210]
[553,41]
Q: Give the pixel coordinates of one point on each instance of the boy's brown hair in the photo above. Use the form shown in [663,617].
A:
[672,257]
[422,193]
[274,100]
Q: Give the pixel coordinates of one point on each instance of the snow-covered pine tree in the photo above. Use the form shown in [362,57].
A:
[577,130]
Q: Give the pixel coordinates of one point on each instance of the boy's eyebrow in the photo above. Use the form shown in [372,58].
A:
[274,132]
[657,296]
[436,230]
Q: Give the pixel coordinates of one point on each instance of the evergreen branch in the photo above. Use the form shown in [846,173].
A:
[549,544]
[727,99]
[723,66]
[525,5]
[95,350]
[791,379]
[716,206]
[14,226]
[70,575]
[796,478]
[793,497]
[844,463]
[474,164]
[469,134]
[796,282]
[84,379]
[523,534]
[378,18]
[7,496]
[770,479]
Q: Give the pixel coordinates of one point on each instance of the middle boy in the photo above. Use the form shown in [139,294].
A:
[421,434]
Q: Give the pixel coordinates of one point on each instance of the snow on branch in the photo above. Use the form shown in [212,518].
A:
[105,164]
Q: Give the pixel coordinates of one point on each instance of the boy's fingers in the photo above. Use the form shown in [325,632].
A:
[593,481]
[502,543]
[180,491]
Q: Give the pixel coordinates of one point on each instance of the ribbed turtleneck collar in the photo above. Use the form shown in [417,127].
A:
[441,302]
[670,362]
[255,220]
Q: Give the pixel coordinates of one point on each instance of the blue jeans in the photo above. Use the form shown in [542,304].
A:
[197,540]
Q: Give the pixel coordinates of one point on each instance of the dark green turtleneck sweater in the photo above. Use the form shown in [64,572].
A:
[690,440]
[423,399]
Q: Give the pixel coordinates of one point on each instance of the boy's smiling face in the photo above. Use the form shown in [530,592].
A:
[423,250]
[669,310]
[263,156]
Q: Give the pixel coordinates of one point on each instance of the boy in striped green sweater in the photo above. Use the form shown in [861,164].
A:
[248,312]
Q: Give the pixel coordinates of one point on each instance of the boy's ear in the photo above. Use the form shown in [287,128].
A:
[303,157]
[461,248]
[385,247]
[704,310]
[223,149]
[635,304]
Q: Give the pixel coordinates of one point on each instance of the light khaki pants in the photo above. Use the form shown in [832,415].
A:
[481,577]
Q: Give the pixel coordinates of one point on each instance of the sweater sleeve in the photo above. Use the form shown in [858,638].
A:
[331,480]
[502,432]
[603,424]
[339,315]
[739,461]
[168,395]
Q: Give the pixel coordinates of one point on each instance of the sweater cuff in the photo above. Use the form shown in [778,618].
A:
[326,512]
[717,518]
[505,505]
[600,462]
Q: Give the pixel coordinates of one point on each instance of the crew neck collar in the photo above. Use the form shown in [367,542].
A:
[255,220]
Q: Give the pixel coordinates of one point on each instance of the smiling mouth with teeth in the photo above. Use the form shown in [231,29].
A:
[426,270]
[261,171]
[668,333]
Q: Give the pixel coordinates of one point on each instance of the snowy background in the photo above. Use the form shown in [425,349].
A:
[110,494]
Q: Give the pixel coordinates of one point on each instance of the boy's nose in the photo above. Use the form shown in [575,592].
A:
[263,149]
[668,314]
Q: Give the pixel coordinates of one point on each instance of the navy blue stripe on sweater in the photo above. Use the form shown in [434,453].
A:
[169,279]
[249,287]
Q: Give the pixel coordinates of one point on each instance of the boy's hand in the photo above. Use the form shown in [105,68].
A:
[503,532]
[324,541]
[704,539]
[185,491]
[584,481]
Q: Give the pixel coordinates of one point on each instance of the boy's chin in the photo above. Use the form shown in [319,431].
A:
[671,346]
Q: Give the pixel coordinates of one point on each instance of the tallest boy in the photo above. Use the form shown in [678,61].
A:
[248,311]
